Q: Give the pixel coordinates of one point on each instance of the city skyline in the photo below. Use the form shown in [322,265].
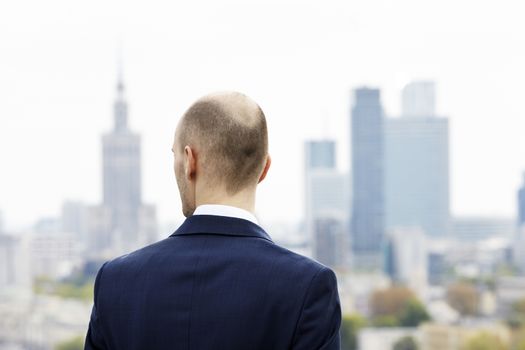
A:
[398,161]
[57,86]
[388,118]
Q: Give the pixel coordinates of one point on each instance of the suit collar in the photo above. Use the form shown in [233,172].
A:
[222,225]
[225,210]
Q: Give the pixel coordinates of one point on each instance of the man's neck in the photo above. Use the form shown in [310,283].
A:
[228,201]
[244,199]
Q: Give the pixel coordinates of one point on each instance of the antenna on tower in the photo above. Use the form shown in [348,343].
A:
[120,69]
[120,106]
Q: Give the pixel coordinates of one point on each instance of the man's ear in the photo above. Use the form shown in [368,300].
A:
[190,163]
[266,167]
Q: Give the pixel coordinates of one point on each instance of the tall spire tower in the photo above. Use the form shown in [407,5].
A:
[122,222]
[122,191]
[120,106]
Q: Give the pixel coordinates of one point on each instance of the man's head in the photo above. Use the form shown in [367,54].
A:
[221,149]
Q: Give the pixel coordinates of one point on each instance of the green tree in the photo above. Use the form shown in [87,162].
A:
[484,341]
[413,314]
[76,343]
[73,289]
[405,343]
[386,321]
[518,341]
[520,345]
[396,306]
[350,326]
[519,306]
[516,317]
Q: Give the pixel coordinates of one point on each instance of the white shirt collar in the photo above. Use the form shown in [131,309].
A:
[225,210]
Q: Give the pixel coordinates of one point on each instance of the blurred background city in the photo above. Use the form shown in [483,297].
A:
[396,134]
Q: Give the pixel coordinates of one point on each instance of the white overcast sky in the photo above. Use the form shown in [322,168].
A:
[299,60]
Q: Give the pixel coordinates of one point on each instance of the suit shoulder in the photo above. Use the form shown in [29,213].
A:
[134,258]
[297,261]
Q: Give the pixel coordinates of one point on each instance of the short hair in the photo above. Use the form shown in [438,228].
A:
[233,138]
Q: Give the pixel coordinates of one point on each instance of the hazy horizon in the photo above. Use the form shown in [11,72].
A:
[299,60]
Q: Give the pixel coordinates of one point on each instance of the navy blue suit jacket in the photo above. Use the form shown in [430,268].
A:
[216,283]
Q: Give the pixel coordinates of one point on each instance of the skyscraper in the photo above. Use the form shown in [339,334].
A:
[518,252]
[122,222]
[472,228]
[407,261]
[521,203]
[419,99]
[417,164]
[330,241]
[75,215]
[367,228]
[320,154]
[325,203]
[121,169]
[14,263]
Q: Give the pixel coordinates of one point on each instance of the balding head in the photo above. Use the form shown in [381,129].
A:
[227,133]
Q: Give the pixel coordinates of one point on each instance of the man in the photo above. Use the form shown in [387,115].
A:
[219,281]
